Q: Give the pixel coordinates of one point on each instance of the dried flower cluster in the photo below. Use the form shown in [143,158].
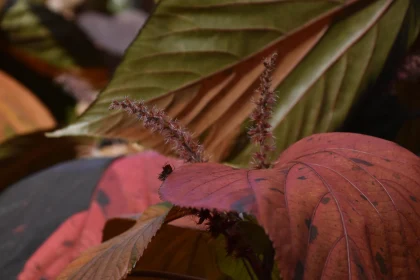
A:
[156,120]
[260,132]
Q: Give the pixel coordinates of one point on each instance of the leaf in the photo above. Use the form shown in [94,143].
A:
[50,44]
[193,244]
[118,256]
[20,111]
[45,227]
[238,268]
[318,95]
[49,210]
[335,205]
[180,251]
[26,154]
[200,61]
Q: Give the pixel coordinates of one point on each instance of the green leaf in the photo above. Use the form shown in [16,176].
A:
[200,61]
[317,96]
[173,61]
[239,268]
[118,256]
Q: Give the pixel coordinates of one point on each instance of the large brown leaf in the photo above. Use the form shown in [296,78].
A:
[336,205]
[189,251]
[181,251]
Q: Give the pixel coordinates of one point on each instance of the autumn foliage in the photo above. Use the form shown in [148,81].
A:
[242,102]
[334,205]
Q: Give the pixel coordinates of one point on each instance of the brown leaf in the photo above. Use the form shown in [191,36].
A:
[180,251]
[335,205]
[26,154]
[117,257]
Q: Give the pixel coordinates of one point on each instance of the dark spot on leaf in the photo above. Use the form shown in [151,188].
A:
[299,271]
[310,139]
[302,178]
[361,161]
[382,249]
[260,179]
[360,269]
[396,176]
[68,243]
[325,200]
[276,190]
[102,198]
[381,262]
[413,198]
[19,229]
[355,167]
[301,168]
[43,278]
[239,205]
[313,233]
[375,203]
[308,223]
[364,197]
[385,159]
[350,221]
[38,267]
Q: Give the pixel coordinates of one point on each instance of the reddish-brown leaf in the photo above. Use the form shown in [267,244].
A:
[335,205]
[115,258]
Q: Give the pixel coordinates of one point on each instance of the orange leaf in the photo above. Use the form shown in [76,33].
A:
[335,205]
[20,111]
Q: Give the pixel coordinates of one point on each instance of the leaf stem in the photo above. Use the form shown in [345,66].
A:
[163,274]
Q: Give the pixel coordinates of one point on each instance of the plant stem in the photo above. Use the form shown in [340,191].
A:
[256,265]
[163,274]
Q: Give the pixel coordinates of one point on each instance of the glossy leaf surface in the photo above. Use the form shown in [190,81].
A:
[335,205]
